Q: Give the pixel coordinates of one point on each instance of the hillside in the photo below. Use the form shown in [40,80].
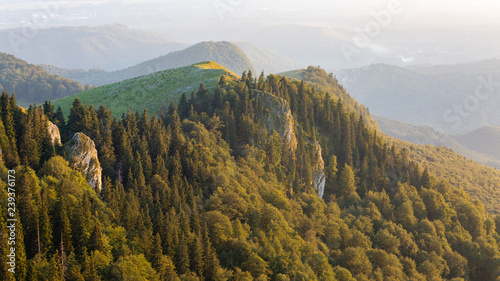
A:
[485,140]
[110,47]
[267,179]
[31,83]
[462,144]
[482,183]
[224,53]
[479,181]
[320,80]
[453,101]
[151,91]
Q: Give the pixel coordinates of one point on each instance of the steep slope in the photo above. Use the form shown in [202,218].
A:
[454,101]
[110,47]
[426,135]
[264,59]
[224,53]
[152,91]
[31,83]
[327,83]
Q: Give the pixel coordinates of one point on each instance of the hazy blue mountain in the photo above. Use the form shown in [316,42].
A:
[474,68]
[224,53]
[110,47]
[464,145]
[485,140]
[451,98]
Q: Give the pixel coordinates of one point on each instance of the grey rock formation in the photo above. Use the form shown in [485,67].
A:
[319,171]
[55,136]
[82,156]
[278,117]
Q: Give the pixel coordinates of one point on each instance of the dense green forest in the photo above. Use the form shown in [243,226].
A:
[31,83]
[223,187]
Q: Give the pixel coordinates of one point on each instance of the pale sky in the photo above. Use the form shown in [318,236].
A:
[415,13]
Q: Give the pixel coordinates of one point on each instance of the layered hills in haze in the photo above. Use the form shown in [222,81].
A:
[454,98]
[225,53]
[480,145]
[453,104]
[110,47]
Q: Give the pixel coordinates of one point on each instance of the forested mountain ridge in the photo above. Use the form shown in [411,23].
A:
[204,190]
[31,83]
[480,182]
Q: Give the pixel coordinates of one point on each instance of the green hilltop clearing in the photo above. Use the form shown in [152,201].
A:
[150,91]
[297,74]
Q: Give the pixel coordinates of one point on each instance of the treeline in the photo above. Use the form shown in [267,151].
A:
[31,83]
[205,191]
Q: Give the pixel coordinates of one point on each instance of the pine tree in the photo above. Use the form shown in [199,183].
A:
[196,252]
[96,242]
[44,227]
[79,118]
[347,184]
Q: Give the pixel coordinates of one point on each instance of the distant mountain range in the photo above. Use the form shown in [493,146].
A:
[109,47]
[480,145]
[452,98]
[224,53]
[484,140]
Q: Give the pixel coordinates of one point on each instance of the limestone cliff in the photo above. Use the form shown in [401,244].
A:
[82,156]
[319,170]
[55,136]
[277,116]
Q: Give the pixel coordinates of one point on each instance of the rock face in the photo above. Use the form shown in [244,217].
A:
[55,137]
[319,171]
[82,156]
[278,117]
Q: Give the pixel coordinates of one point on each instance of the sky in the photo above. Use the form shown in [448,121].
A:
[169,14]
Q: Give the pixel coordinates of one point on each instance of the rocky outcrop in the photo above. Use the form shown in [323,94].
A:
[82,156]
[278,117]
[319,170]
[55,136]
